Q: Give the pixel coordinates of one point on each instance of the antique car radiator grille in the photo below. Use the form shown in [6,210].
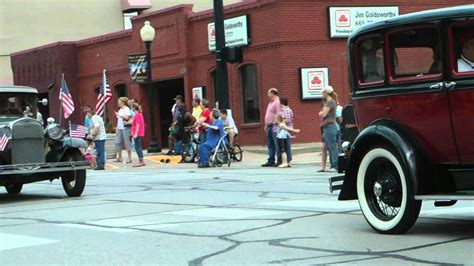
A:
[27,142]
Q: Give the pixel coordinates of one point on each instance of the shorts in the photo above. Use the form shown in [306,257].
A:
[125,136]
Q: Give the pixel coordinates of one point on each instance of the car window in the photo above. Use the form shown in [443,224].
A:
[415,53]
[462,47]
[370,60]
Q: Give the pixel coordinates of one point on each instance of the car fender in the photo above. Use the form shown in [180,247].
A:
[387,132]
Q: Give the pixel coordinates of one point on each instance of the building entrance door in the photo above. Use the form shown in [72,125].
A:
[167,91]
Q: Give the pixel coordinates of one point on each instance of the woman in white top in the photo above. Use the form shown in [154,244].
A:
[123,132]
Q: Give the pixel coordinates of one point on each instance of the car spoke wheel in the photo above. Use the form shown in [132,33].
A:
[14,188]
[74,181]
[385,193]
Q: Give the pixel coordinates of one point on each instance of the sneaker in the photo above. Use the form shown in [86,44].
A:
[268,164]
[278,164]
[99,168]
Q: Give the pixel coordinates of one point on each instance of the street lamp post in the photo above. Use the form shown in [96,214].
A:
[147,34]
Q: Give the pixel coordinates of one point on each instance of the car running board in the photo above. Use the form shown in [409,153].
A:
[452,197]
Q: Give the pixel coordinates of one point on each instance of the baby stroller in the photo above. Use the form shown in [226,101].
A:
[220,154]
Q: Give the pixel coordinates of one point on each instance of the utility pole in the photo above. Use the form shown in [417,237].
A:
[222,88]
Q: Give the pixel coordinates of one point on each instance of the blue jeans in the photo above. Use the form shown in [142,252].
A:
[272,146]
[178,146]
[284,145]
[205,150]
[330,137]
[138,147]
[100,149]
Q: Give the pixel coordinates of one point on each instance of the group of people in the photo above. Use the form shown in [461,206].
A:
[130,131]
[279,130]
[209,124]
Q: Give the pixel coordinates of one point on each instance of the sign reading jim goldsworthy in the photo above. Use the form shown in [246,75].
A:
[236,33]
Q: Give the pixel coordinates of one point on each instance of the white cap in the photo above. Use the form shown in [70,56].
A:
[328,89]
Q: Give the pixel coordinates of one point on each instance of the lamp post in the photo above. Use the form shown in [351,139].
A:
[147,34]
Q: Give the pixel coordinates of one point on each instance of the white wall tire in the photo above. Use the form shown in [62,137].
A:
[385,193]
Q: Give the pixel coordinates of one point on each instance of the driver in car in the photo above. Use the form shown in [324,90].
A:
[466,62]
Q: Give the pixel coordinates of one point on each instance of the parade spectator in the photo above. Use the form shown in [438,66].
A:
[329,125]
[98,135]
[284,133]
[229,125]
[87,120]
[466,62]
[90,154]
[197,108]
[138,132]
[284,129]
[324,147]
[174,113]
[204,118]
[215,131]
[272,110]
[185,119]
[123,133]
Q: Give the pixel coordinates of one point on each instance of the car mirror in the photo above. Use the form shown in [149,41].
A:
[44,102]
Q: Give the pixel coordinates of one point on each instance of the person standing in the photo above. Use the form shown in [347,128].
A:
[329,126]
[286,124]
[272,110]
[197,108]
[98,135]
[123,133]
[204,118]
[173,149]
[138,132]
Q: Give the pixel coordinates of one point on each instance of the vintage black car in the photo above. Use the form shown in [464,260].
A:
[412,81]
[31,153]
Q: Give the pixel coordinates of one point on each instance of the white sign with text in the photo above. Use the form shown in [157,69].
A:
[236,33]
[344,20]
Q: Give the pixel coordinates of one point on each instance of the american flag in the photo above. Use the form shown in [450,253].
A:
[66,99]
[104,96]
[77,131]
[3,141]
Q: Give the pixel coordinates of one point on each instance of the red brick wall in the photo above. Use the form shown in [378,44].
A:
[286,35]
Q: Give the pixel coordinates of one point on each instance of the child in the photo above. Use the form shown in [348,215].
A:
[90,154]
[283,134]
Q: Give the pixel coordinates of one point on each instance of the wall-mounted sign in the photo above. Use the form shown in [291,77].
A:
[138,67]
[236,33]
[199,92]
[313,80]
[344,20]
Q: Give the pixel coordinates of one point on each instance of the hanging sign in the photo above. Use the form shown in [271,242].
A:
[138,67]
[236,33]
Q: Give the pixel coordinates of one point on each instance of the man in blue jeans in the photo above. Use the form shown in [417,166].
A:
[98,135]
[273,109]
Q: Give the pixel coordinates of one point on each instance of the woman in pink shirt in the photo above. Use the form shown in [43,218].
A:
[138,132]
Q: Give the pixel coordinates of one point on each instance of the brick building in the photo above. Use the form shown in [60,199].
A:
[285,35]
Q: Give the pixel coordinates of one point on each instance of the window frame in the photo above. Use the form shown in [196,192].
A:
[389,62]
[357,63]
[452,60]
[257,93]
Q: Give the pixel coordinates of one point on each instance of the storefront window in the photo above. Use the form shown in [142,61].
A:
[251,103]
[121,90]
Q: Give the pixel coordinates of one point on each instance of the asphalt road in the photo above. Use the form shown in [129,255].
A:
[177,215]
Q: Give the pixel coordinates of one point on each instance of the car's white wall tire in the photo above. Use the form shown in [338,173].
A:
[409,208]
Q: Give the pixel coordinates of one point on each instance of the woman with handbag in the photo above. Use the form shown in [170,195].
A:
[123,132]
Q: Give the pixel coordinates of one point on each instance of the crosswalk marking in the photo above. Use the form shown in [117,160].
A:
[10,241]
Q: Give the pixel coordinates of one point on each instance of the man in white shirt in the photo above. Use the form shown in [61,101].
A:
[229,124]
[466,62]
[98,135]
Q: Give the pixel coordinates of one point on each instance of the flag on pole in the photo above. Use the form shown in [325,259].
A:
[3,140]
[66,99]
[77,131]
[105,94]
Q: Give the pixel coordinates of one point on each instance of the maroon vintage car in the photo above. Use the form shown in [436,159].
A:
[412,81]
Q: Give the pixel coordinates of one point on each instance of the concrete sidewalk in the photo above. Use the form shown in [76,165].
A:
[253,156]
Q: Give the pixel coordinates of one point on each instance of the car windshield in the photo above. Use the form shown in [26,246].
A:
[16,105]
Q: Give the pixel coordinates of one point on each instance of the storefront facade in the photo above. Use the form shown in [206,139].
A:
[290,48]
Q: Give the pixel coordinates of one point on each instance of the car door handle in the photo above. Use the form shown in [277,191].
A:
[436,86]
[450,86]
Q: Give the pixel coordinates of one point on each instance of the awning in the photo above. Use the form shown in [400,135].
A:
[135,5]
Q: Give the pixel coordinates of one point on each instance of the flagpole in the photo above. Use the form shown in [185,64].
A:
[60,102]
[104,82]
